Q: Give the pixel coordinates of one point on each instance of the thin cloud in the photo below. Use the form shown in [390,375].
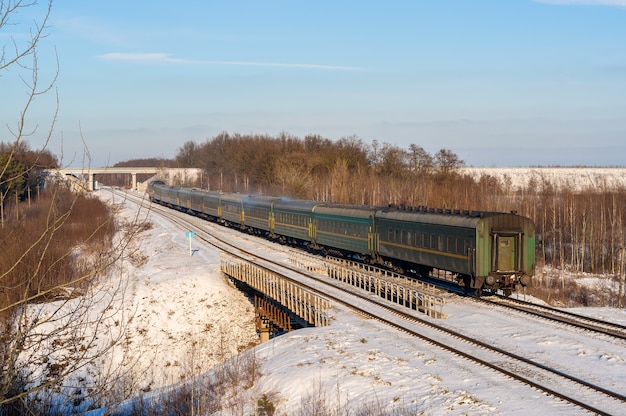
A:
[617,3]
[166,58]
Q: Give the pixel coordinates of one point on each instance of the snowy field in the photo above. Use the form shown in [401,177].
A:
[187,318]
[573,178]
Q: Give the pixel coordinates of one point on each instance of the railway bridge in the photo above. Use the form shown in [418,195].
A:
[169,175]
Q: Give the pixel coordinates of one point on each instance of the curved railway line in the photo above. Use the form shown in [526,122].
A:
[559,384]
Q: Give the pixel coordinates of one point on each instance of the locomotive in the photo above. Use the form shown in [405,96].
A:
[480,250]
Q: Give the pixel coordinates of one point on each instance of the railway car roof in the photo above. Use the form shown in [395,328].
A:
[439,217]
[236,198]
[259,201]
[287,204]
[205,194]
[358,211]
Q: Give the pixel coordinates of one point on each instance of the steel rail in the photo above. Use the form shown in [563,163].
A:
[221,243]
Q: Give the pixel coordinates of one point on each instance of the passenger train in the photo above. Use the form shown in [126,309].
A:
[482,251]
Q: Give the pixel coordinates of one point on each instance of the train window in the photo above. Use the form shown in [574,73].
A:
[449,246]
[425,240]
[396,236]
[389,234]
[433,241]
[458,246]
[417,239]
[440,243]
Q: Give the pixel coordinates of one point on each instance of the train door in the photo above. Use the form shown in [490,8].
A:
[506,253]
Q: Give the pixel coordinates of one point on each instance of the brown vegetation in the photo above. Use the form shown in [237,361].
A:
[42,250]
[60,241]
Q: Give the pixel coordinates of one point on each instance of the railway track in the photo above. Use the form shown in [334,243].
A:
[553,314]
[559,384]
[591,324]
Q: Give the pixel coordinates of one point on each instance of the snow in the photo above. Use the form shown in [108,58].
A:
[573,178]
[182,318]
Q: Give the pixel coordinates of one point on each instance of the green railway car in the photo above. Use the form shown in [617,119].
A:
[259,214]
[343,227]
[293,219]
[232,209]
[211,204]
[482,250]
[183,198]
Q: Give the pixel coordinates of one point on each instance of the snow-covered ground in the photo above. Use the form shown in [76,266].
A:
[573,178]
[182,318]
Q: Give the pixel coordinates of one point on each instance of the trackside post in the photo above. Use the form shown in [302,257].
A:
[190,235]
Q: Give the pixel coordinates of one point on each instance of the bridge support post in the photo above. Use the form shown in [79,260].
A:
[134,181]
[91,184]
[263,327]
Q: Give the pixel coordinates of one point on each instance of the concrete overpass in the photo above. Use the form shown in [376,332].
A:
[89,174]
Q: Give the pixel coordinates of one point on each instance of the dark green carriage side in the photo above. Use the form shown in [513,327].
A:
[232,208]
[183,198]
[211,204]
[196,200]
[155,189]
[170,195]
[293,218]
[486,250]
[430,239]
[345,227]
[258,211]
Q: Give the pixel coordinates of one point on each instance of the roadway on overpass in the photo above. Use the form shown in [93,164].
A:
[89,174]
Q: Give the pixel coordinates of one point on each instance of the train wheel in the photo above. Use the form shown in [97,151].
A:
[467,281]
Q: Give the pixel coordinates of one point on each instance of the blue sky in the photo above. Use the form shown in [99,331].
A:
[499,82]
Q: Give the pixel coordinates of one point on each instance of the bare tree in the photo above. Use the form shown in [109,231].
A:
[448,161]
[56,322]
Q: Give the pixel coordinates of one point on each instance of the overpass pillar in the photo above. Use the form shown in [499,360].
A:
[91,182]
[134,181]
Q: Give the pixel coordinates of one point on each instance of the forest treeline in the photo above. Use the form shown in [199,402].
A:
[21,173]
[578,231]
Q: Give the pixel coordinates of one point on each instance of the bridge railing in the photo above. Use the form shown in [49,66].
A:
[402,290]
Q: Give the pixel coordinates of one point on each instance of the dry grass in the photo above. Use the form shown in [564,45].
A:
[566,289]
[46,249]
[50,253]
